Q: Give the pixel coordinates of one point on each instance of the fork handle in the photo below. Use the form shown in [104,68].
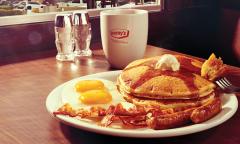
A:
[234,90]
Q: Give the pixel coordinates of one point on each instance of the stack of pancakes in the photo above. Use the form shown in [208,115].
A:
[141,83]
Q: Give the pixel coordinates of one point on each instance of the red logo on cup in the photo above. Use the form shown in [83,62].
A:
[119,33]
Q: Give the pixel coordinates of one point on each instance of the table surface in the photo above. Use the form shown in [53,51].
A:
[24,87]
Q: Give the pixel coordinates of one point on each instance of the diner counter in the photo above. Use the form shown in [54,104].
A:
[24,87]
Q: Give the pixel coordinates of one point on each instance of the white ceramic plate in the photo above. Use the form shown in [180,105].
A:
[53,102]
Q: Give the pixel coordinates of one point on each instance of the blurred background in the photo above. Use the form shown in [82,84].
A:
[194,27]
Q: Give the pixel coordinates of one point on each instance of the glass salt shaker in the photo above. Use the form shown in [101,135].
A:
[63,37]
[81,34]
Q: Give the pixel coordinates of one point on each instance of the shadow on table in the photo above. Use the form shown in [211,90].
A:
[77,136]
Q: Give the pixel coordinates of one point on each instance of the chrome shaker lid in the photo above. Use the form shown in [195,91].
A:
[63,20]
[80,18]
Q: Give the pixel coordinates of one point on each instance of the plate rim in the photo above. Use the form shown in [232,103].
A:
[133,133]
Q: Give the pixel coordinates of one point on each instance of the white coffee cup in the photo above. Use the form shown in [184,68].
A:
[124,35]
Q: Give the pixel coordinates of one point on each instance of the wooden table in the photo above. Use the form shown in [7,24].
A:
[24,87]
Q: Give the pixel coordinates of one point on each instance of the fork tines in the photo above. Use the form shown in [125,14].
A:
[223,83]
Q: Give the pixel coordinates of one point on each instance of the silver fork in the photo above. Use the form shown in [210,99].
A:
[226,85]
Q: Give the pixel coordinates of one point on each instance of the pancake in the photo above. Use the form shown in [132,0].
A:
[169,103]
[141,79]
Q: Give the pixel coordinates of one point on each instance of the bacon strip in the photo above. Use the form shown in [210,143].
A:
[134,121]
[66,109]
[121,111]
[107,120]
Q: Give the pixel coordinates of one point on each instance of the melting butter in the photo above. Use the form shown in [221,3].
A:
[168,62]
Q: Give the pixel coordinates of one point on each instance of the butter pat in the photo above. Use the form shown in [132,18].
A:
[168,62]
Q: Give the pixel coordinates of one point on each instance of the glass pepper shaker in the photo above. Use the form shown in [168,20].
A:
[81,34]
